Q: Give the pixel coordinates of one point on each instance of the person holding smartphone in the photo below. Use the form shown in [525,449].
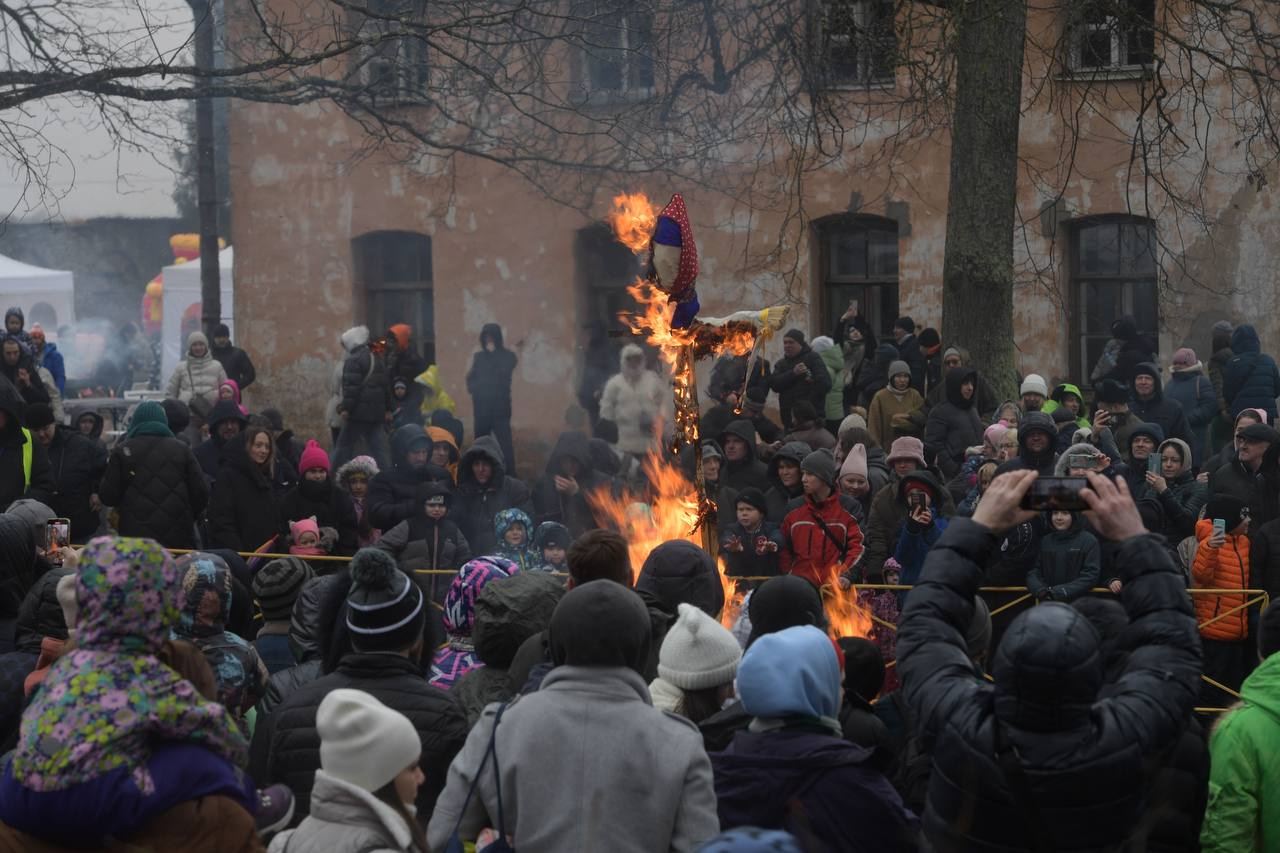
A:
[1222,562]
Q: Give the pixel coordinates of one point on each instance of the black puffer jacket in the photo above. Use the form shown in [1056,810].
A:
[953,425]
[293,744]
[366,389]
[1260,491]
[331,506]
[78,464]
[745,473]
[1160,410]
[40,614]
[422,543]
[476,505]
[309,636]
[1079,754]
[791,388]
[573,511]
[489,379]
[209,452]
[20,569]
[508,612]
[157,488]
[244,512]
[12,438]
[393,494]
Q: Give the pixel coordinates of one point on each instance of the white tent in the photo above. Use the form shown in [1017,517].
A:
[47,297]
[181,292]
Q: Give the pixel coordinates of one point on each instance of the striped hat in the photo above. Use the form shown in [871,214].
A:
[384,606]
[277,584]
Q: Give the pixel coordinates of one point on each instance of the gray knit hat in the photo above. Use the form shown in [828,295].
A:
[277,584]
[896,367]
[821,464]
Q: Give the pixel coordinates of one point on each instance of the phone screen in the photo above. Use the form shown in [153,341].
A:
[1219,526]
[57,535]
[1153,463]
[1050,493]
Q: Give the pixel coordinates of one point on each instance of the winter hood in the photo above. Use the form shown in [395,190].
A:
[1152,370]
[1048,669]
[1060,393]
[510,611]
[493,332]
[744,430]
[460,602]
[571,445]
[403,440]
[679,572]
[1245,339]
[206,591]
[485,447]
[956,377]
[792,451]
[354,338]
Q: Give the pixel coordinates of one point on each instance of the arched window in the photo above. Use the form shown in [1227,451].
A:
[393,272]
[859,260]
[1113,273]
[44,314]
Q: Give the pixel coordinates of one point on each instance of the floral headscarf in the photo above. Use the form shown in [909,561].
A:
[105,703]
[458,657]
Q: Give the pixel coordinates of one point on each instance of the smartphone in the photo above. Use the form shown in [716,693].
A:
[1082,461]
[1219,527]
[915,500]
[57,535]
[1153,463]
[1050,493]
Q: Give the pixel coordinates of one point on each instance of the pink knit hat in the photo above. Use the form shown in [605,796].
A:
[855,462]
[306,525]
[995,433]
[1184,358]
[907,447]
[313,456]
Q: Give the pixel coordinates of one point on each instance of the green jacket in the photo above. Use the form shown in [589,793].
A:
[1244,811]
[1055,401]
[833,358]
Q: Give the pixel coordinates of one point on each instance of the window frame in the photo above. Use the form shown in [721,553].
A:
[1120,29]
[830,228]
[869,73]
[371,247]
[409,54]
[619,19]
[1078,281]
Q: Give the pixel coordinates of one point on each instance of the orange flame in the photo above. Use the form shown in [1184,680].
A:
[845,614]
[633,219]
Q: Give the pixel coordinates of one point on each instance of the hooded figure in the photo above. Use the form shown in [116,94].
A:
[197,375]
[1041,739]
[570,505]
[792,770]
[16,330]
[679,572]
[156,743]
[365,399]
[508,612]
[19,368]
[954,425]
[440,436]
[780,494]
[1059,398]
[1251,380]
[1035,455]
[478,502]
[78,464]
[393,493]
[434,397]
[1192,390]
[1123,353]
[209,452]
[523,555]
[747,472]
[1155,409]
[239,671]
[24,463]
[633,399]
[458,657]
[421,542]
[569,730]
[489,383]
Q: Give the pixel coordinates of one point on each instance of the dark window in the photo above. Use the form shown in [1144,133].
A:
[859,44]
[618,53]
[1113,273]
[391,67]
[1111,34]
[605,268]
[859,261]
[393,271]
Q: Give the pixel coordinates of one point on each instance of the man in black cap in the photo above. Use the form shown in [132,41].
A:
[385,616]
[800,374]
[234,360]
[78,464]
[1254,476]
[570,731]
[1112,400]
[904,337]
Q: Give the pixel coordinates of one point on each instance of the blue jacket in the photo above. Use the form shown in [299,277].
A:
[1193,391]
[1251,380]
[914,545]
[51,359]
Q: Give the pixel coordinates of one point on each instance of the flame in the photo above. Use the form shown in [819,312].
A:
[845,614]
[633,219]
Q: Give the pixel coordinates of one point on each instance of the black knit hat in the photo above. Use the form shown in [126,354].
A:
[277,584]
[177,413]
[1227,507]
[384,606]
[906,324]
[752,497]
[929,337]
[1111,391]
[39,415]
[757,395]
[795,335]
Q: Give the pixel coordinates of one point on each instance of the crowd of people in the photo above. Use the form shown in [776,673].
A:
[404,645]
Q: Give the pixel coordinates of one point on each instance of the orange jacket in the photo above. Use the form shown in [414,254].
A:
[1221,568]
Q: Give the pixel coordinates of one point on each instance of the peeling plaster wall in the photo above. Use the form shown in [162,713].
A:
[504,254]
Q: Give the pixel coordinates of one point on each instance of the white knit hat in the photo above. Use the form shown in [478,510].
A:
[362,741]
[1034,384]
[698,652]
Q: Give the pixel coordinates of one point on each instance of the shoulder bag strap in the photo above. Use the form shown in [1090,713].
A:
[490,753]
[843,547]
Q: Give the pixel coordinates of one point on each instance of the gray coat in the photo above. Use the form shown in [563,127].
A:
[345,819]
[655,794]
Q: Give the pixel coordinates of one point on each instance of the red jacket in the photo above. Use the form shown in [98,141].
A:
[814,554]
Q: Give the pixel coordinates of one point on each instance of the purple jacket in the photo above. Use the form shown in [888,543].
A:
[819,788]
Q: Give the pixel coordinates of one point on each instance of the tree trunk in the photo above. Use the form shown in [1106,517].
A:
[206,177]
[977,302]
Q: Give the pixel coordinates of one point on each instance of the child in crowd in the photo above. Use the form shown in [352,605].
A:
[750,545]
[551,541]
[1070,559]
[458,656]
[1222,562]
[353,478]
[428,541]
[276,586]
[883,605]
[696,665]
[304,537]
[897,398]
[229,389]
[986,472]
[512,528]
[921,529]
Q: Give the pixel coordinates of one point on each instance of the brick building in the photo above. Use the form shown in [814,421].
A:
[324,240]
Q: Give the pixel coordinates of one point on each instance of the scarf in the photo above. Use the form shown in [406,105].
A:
[107,703]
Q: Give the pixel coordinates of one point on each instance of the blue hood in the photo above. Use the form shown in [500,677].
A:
[793,672]
[1245,339]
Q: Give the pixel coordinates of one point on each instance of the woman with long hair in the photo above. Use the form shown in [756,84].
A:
[244,511]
